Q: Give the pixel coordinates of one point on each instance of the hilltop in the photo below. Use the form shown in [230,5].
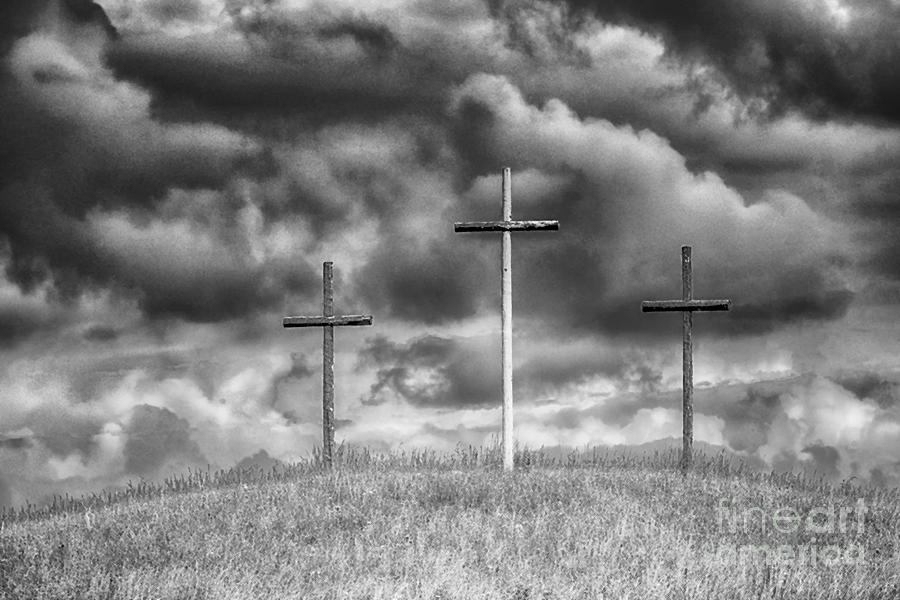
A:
[595,525]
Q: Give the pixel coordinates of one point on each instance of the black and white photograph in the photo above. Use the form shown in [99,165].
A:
[449,299]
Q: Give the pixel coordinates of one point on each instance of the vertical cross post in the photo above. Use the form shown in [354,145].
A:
[327,363]
[327,322]
[506,227]
[506,325]
[687,305]
[687,363]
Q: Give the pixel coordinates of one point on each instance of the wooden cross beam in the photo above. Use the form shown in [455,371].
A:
[506,226]
[328,321]
[687,305]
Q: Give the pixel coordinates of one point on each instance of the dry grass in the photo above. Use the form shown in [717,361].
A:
[419,525]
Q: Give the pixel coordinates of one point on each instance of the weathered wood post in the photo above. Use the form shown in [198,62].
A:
[687,305]
[506,360]
[327,322]
[506,226]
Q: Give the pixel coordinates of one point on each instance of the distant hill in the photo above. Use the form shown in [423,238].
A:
[670,445]
[260,460]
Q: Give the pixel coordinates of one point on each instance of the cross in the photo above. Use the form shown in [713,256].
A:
[328,321]
[687,305]
[506,226]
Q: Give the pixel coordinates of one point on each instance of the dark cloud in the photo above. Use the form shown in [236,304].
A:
[451,372]
[86,195]
[748,419]
[886,475]
[376,38]
[435,372]
[874,204]
[189,176]
[218,296]
[302,68]
[172,10]
[101,333]
[567,418]
[313,65]
[158,437]
[549,368]
[278,390]
[16,443]
[46,243]
[626,202]
[166,269]
[64,431]
[557,369]
[539,32]
[259,461]
[299,367]
[88,12]
[430,281]
[17,20]
[435,285]
[827,459]
[18,17]
[293,64]
[820,305]
[883,260]
[20,321]
[786,54]
[87,384]
[621,408]
[870,386]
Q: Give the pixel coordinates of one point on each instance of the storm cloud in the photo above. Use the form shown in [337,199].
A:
[173,175]
[434,372]
[156,436]
[825,58]
[628,196]
[294,61]
[106,215]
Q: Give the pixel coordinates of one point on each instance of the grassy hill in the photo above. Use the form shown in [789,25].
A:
[595,524]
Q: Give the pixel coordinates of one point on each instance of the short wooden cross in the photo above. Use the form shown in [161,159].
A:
[506,226]
[687,305]
[328,322]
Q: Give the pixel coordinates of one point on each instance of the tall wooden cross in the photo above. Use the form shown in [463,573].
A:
[687,305]
[506,226]
[328,321]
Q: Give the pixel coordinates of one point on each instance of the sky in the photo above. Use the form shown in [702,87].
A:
[173,174]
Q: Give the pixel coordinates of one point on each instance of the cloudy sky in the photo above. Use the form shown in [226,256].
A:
[173,173]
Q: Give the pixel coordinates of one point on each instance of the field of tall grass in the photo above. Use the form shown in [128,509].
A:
[595,524]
